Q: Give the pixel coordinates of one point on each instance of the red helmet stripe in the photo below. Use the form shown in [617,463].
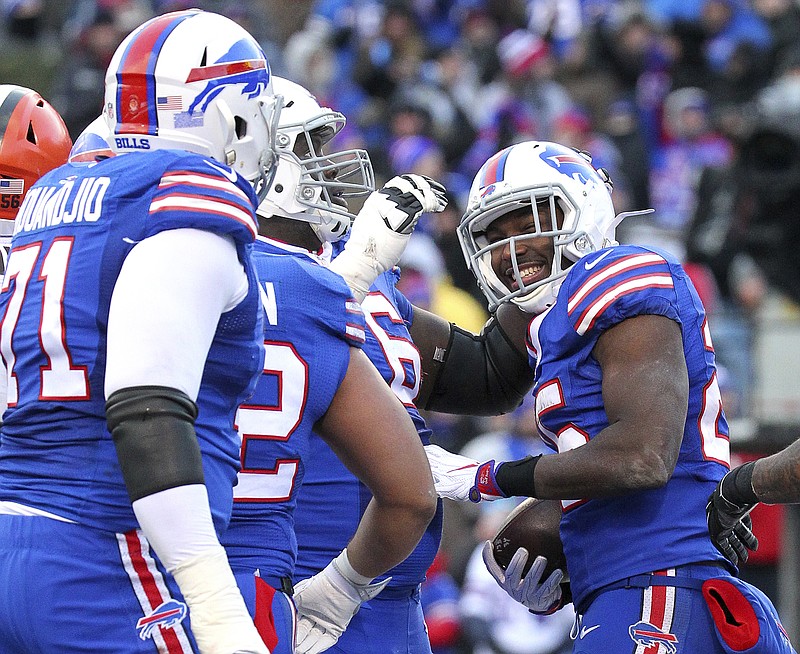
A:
[136,92]
[495,168]
[224,70]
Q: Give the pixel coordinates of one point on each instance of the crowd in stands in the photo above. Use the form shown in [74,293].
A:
[693,106]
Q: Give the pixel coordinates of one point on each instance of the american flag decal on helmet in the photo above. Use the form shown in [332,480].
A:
[12,186]
[170,103]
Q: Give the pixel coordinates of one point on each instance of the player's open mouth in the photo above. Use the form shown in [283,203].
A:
[530,272]
[337,199]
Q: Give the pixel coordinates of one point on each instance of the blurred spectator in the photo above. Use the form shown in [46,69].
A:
[442,227]
[309,57]
[425,283]
[529,68]
[423,155]
[416,154]
[625,42]
[437,22]
[782,17]
[729,23]
[23,18]
[79,82]
[479,37]
[689,145]
[444,98]
[623,128]
[575,128]
[520,105]
[439,595]
[394,55]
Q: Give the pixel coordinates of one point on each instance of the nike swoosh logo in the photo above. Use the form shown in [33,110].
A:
[589,265]
[588,630]
[225,173]
[130,240]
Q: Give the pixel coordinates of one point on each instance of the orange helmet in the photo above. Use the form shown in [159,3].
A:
[33,140]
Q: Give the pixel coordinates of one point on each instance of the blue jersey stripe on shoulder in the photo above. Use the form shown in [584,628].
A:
[618,276]
[191,191]
[593,310]
[625,266]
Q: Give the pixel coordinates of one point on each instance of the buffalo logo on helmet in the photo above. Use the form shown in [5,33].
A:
[242,64]
[569,163]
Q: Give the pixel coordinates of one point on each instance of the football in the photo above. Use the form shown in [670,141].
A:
[533,524]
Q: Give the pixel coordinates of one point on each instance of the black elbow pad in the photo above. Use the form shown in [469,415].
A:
[481,375]
[153,431]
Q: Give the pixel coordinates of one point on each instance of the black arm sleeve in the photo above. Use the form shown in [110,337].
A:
[480,375]
[153,431]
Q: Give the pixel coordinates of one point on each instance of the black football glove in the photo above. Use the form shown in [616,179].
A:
[727,514]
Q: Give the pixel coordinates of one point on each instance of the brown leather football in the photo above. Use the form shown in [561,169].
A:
[533,524]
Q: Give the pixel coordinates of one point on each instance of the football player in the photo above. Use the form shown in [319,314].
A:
[774,479]
[33,140]
[334,500]
[408,346]
[132,329]
[626,393]
[316,376]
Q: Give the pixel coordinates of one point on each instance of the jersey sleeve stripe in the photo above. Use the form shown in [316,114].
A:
[351,306]
[588,317]
[355,333]
[176,178]
[187,203]
[628,263]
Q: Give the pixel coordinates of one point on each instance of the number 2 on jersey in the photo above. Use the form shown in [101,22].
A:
[273,423]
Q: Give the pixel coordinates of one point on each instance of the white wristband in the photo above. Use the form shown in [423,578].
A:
[343,565]
[357,272]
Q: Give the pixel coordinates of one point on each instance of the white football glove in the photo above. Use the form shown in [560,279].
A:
[538,598]
[460,478]
[382,228]
[220,621]
[327,602]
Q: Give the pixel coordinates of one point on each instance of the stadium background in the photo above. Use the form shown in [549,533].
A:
[692,105]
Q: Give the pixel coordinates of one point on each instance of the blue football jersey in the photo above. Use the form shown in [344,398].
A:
[607,539]
[72,234]
[333,499]
[312,322]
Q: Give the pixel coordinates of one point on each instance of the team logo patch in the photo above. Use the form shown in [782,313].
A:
[568,163]
[168,614]
[648,635]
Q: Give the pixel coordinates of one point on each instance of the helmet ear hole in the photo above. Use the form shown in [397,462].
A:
[31,135]
[240,126]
